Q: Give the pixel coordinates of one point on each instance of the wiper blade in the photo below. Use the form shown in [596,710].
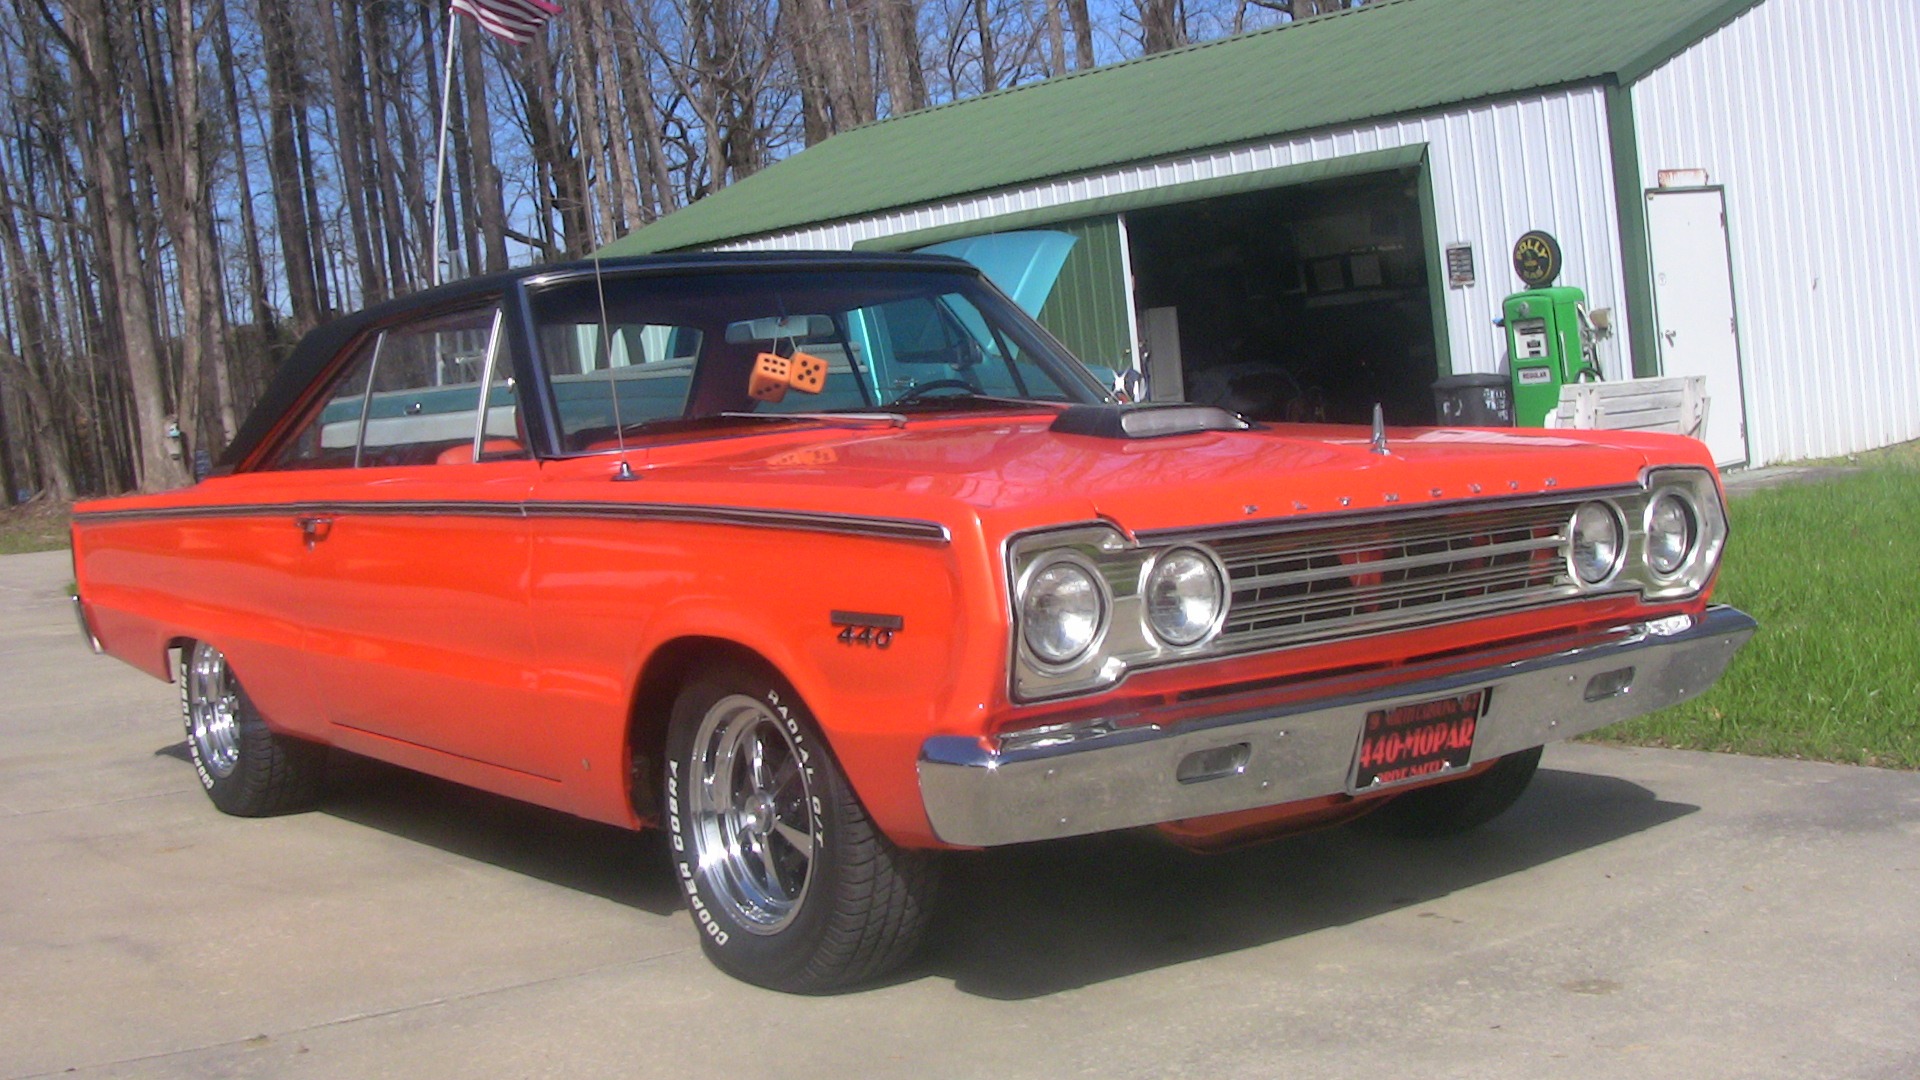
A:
[862,419]
[971,400]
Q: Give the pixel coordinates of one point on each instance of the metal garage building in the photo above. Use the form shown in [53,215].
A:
[1300,220]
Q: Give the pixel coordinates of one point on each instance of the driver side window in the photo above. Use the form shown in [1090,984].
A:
[411,395]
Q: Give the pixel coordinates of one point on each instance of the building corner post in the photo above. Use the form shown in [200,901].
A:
[1630,212]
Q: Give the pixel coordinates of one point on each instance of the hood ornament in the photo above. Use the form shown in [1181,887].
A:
[1379,431]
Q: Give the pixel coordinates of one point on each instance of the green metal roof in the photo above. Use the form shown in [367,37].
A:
[1391,57]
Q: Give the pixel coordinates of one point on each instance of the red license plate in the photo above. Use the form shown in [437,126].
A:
[1416,741]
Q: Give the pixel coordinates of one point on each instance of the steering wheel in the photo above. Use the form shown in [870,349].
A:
[938,384]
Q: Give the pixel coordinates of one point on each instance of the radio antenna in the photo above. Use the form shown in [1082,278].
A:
[625,471]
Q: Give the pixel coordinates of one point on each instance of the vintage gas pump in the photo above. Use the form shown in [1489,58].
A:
[1549,343]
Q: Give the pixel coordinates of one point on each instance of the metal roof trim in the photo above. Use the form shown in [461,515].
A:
[1300,172]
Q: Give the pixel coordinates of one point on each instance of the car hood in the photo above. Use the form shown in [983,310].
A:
[1018,470]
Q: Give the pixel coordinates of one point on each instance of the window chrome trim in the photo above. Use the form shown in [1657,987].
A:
[486,382]
[366,399]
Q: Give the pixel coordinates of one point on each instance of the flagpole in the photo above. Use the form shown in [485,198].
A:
[440,159]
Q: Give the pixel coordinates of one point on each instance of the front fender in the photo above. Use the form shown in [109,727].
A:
[607,608]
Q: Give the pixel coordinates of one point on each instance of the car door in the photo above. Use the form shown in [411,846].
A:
[418,643]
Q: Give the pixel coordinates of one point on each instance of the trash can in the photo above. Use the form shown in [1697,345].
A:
[1477,399]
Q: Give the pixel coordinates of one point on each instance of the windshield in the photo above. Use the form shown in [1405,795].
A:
[636,350]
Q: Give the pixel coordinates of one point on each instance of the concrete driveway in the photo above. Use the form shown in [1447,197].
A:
[1641,913]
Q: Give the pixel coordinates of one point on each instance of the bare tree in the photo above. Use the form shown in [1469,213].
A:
[1163,25]
[899,22]
[723,57]
[295,230]
[347,73]
[1082,33]
[489,203]
[256,276]
[96,59]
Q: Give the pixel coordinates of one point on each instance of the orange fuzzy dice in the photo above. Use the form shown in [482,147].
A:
[770,376]
[807,373]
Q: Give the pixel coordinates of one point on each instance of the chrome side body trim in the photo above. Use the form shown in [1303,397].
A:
[809,521]
[1096,776]
[298,509]
[806,521]
[86,627]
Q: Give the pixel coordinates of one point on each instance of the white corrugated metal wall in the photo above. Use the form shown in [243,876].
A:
[1497,171]
[1808,113]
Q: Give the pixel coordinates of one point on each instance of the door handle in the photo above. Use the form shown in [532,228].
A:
[314,529]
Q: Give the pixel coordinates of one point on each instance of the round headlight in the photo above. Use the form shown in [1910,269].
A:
[1061,611]
[1185,597]
[1596,542]
[1672,532]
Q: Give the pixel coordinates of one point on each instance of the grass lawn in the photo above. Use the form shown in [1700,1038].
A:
[1831,569]
[35,526]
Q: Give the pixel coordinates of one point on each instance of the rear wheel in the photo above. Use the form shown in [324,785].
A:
[246,769]
[790,883]
[1459,805]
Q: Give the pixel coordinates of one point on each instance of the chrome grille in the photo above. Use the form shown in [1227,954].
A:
[1392,574]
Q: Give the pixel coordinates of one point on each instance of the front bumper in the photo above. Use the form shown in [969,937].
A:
[1099,776]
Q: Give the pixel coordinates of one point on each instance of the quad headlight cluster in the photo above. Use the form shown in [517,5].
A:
[1663,540]
[1090,604]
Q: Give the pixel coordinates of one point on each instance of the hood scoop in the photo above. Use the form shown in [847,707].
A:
[1145,420]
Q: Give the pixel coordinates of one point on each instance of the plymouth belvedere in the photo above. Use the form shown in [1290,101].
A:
[827,563]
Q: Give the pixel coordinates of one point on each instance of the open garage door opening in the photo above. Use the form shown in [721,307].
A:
[1302,303]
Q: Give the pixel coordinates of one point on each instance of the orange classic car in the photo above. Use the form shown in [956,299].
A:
[827,563]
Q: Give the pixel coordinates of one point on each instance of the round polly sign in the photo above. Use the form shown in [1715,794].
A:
[1536,258]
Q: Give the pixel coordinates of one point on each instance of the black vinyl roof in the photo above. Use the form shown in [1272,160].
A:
[309,361]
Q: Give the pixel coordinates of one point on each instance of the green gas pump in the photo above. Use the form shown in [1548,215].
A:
[1549,344]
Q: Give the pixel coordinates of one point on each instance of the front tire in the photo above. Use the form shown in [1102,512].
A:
[1459,805]
[789,882]
[246,769]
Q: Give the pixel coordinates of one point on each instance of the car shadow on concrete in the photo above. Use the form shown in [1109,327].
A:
[612,863]
[1035,919]
[1024,922]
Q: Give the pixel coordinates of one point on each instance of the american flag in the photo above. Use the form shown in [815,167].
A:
[509,20]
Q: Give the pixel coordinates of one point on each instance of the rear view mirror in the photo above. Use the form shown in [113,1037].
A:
[779,328]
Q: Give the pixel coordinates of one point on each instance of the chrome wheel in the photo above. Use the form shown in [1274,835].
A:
[752,814]
[213,710]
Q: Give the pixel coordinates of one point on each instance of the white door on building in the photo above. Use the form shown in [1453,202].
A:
[1693,307]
